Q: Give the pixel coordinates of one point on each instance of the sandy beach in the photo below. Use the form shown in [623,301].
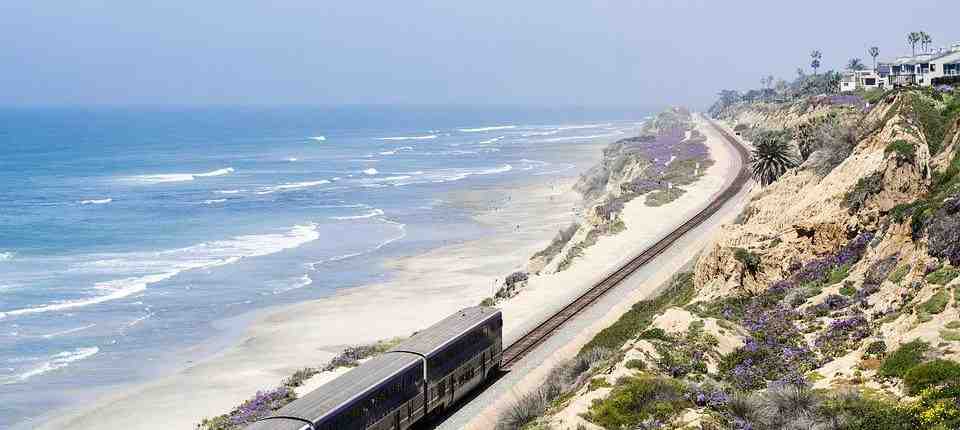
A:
[422,289]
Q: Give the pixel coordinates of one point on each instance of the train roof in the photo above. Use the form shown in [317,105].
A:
[367,377]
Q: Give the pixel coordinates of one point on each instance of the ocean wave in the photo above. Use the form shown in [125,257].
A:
[429,136]
[96,201]
[228,191]
[372,213]
[145,268]
[297,284]
[555,171]
[396,150]
[7,256]
[68,331]
[371,171]
[480,129]
[291,186]
[54,362]
[319,138]
[493,140]
[541,133]
[179,177]
[214,201]
[587,137]
[139,320]
[531,164]
[292,159]
[402,228]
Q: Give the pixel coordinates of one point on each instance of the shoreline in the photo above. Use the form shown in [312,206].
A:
[280,340]
[276,341]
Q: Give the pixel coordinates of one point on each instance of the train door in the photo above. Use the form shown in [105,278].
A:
[483,364]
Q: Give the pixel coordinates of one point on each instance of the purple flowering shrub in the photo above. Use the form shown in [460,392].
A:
[683,355]
[843,335]
[773,348]
[260,406]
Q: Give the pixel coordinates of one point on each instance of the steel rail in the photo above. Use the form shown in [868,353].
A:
[536,336]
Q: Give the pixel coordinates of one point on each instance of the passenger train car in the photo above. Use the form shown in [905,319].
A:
[393,391]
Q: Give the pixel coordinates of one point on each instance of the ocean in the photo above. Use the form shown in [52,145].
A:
[129,235]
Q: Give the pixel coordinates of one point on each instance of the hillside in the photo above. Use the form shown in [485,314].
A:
[830,303]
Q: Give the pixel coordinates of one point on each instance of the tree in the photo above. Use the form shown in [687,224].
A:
[816,55]
[925,40]
[874,52]
[772,156]
[855,64]
[913,38]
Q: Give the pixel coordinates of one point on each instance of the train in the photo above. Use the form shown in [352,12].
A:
[418,378]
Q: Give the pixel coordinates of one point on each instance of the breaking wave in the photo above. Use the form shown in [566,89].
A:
[96,201]
[372,213]
[54,362]
[291,186]
[142,269]
[180,177]
[479,129]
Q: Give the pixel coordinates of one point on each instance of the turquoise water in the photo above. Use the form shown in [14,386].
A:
[126,234]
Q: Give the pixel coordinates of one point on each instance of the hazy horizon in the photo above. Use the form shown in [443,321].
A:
[431,53]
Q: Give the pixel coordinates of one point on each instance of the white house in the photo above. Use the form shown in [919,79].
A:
[866,79]
[942,65]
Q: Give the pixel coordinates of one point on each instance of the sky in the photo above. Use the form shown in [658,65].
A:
[444,52]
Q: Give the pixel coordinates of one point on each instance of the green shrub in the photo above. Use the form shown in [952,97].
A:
[750,260]
[953,324]
[936,303]
[636,364]
[943,275]
[655,333]
[864,413]
[678,293]
[950,335]
[899,274]
[598,383]
[848,290]
[488,302]
[930,374]
[903,359]
[837,274]
[904,150]
[635,400]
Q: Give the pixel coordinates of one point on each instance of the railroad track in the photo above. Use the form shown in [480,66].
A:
[529,341]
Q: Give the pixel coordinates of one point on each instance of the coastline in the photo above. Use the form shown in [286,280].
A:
[274,342]
[422,288]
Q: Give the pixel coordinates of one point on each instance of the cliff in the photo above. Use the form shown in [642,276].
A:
[831,302]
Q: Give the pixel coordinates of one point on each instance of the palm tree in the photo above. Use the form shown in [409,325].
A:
[815,64]
[855,64]
[925,40]
[772,156]
[874,52]
[913,38]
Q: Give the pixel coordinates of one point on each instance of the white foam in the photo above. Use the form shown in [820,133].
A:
[371,171]
[479,129]
[429,136]
[370,214]
[179,177]
[214,201]
[292,186]
[219,172]
[292,159]
[297,284]
[146,268]
[54,362]
[389,152]
[319,138]
[542,133]
[96,201]
[139,320]
[66,332]
[7,256]
[493,140]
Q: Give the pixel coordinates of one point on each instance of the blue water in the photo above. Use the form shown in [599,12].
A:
[126,234]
